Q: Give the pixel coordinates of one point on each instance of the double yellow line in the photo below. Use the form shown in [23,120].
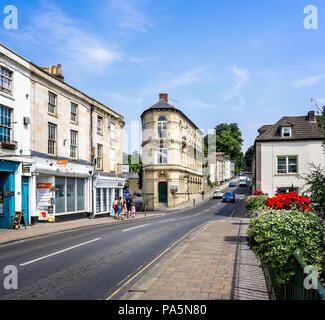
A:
[150,263]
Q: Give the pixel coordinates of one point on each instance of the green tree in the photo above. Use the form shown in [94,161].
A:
[249,158]
[133,160]
[228,139]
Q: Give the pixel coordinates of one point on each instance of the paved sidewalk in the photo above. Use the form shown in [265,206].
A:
[204,266]
[41,229]
[250,283]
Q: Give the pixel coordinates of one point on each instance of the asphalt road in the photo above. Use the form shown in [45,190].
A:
[94,262]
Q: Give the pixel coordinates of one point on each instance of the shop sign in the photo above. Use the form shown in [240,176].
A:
[62,163]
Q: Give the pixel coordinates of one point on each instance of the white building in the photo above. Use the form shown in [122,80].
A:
[60,150]
[14,135]
[284,151]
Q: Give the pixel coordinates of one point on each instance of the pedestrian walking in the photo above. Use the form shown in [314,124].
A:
[133,209]
[124,210]
[128,204]
[120,209]
[115,208]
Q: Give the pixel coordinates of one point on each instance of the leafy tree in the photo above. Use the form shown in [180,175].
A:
[228,139]
[315,187]
[249,158]
[133,160]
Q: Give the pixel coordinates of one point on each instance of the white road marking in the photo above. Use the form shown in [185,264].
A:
[144,225]
[167,220]
[58,252]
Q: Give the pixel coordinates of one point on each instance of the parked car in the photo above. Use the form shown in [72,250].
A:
[217,194]
[229,196]
[232,184]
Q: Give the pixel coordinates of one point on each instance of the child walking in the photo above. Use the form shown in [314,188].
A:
[133,209]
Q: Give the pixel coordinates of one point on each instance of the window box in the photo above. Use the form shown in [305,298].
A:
[9,145]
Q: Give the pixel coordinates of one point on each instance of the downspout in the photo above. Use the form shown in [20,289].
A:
[92,214]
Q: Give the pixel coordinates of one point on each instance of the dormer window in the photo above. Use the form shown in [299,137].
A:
[286,132]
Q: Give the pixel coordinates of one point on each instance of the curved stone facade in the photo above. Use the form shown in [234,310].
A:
[172,156]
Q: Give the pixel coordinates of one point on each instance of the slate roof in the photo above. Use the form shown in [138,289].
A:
[160,105]
[302,129]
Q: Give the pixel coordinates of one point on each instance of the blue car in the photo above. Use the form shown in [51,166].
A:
[229,196]
[232,184]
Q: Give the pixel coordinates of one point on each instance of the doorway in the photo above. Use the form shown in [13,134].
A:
[162,192]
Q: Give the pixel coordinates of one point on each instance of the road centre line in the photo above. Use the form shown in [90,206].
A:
[58,252]
[144,225]
[154,260]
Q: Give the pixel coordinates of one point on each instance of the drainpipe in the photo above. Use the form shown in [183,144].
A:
[92,214]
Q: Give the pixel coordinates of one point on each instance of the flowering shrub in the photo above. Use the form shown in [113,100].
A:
[275,237]
[288,201]
[258,193]
[256,203]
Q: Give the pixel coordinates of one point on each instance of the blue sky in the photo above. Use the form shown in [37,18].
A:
[244,61]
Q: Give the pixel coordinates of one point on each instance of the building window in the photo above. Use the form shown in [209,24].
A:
[73,144]
[98,200]
[52,138]
[5,124]
[69,195]
[99,157]
[5,80]
[287,164]
[162,156]
[59,195]
[99,125]
[80,194]
[74,113]
[162,128]
[286,132]
[52,103]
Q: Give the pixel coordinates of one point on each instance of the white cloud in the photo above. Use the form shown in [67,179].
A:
[243,77]
[306,82]
[130,16]
[53,29]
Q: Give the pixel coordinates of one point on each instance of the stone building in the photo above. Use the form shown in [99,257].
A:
[220,167]
[60,150]
[172,149]
[76,145]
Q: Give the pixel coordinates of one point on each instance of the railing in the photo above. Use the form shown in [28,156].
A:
[295,289]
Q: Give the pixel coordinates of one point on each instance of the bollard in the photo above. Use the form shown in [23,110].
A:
[193,202]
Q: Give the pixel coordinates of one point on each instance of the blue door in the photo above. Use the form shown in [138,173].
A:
[6,201]
[25,197]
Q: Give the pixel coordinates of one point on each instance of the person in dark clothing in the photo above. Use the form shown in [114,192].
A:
[128,205]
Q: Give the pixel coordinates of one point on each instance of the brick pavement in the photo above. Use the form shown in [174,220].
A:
[200,268]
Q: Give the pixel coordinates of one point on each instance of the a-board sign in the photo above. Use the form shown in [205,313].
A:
[18,220]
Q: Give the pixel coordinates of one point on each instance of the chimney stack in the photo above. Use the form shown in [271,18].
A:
[163,97]
[311,116]
[55,71]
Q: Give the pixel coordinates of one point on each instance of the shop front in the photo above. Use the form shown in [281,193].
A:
[8,170]
[106,190]
[62,190]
